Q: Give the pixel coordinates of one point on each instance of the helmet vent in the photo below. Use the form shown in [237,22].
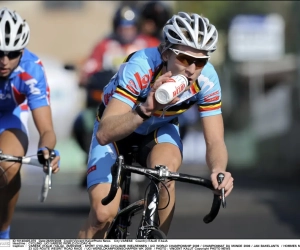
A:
[201,27]
[174,35]
[180,24]
[25,40]
[20,30]
[192,23]
[19,33]
[13,16]
[7,32]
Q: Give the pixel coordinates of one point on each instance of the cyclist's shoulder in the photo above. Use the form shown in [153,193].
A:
[30,63]
[208,80]
[146,56]
[209,69]
[28,57]
[29,72]
[108,40]
[208,74]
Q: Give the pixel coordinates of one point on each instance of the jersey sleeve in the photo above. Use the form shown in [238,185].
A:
[36,87]
[209,97]
[132,77]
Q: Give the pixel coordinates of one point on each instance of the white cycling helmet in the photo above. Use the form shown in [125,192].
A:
[14,31]
[191,30]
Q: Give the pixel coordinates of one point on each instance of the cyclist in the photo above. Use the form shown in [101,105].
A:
[103,62]
[23,86]
[130,115]
[109,52]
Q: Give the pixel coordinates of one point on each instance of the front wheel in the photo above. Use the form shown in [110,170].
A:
[155,234]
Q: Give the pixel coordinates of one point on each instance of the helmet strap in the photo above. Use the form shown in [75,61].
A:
[165,63]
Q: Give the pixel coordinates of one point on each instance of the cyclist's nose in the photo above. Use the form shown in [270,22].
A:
[4,60]
[191,69]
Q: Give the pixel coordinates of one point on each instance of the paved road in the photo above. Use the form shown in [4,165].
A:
[255,210]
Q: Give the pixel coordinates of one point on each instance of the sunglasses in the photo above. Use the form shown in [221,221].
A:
[187,59]
[10,54]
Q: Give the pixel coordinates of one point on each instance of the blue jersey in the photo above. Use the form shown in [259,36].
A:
[136,75]
[26,85]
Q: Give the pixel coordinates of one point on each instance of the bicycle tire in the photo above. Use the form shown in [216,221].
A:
[155,234]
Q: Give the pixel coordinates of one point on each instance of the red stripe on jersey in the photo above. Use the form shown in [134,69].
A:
[24,107]
[18,96]
[48,93]
[40,63]
[25,76]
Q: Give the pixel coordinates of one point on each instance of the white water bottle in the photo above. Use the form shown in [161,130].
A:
[170,89]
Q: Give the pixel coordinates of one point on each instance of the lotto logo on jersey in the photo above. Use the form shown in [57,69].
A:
[144,80]
[131,86]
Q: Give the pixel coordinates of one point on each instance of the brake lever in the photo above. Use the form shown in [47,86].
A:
[47,182]
[220,178]
[49,173]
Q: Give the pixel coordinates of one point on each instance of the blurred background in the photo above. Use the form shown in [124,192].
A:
[81,43]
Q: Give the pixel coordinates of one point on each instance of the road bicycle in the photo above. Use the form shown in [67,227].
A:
[47,179]
[149,224]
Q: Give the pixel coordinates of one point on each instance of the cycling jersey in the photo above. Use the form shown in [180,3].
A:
[27,83]
[134,79]
[26,87]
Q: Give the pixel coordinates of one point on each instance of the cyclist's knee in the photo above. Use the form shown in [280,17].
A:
[9,181]
[171,157]
[14,142]
[101,216]
[166,189]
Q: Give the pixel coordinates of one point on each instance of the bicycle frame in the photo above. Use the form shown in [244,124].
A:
[119,226]
[150,219]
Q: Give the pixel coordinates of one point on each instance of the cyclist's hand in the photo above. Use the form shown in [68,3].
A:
[227,182]
[46,153]
[151,104]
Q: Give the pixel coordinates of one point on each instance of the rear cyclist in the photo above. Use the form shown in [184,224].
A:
[23,86]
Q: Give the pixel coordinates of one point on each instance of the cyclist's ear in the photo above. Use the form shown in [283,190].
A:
[165,57]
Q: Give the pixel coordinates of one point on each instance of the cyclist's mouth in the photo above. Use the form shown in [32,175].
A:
[4,70]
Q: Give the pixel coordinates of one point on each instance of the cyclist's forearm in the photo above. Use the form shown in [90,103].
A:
[47,139]
[216,156]
[114,128]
